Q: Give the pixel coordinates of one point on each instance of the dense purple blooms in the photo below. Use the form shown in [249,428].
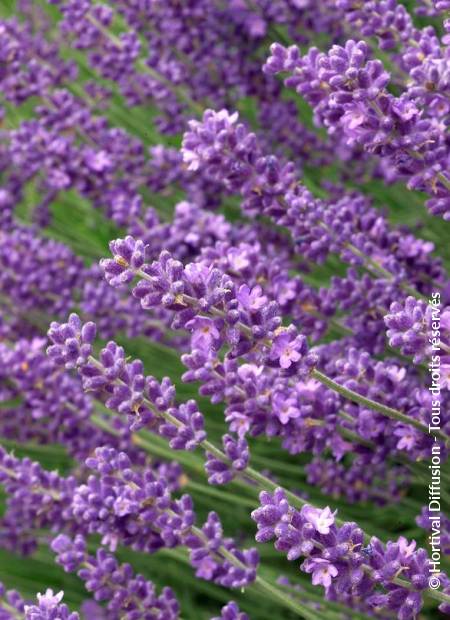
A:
[31,504]
[348,92]
[236,450]
[37,274]
[418,328]
[336,559]
[262,240]
[72,342]
[107,580]
[231,612]
[240,317]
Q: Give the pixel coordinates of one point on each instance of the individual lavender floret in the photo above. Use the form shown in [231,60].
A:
[49,607]
[72,341]
[288,348]
[238,454]
[126,594]
[231,612]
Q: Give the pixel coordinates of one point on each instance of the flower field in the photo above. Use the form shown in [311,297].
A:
[224,309]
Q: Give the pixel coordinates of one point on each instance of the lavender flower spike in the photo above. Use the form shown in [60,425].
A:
[335,556]
[238,454]
[231,612]
[128,258]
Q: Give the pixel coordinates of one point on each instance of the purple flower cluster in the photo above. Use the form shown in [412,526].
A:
[418,328]
[127,390]
[107,580]
[239,317]
[49,607]
[238,454]
[337,560]
[37,273]
[348,225]
[310,320]
[348,91]
[125,504]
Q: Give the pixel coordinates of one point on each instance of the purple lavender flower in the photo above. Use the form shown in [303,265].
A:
[205,556]
[236,450]
[128,258]
[408,326]
[49,607]
[347,90]
[231,612]
[288,349]
[335,557]
[72,341]
[189,432]
[322,571]
[128,391]
[123,591]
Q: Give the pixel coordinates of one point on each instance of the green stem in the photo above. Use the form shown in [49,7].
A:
[389,412]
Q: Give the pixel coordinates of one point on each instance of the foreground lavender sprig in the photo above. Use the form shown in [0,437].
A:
[339,561]
[202,536]
[125,384]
